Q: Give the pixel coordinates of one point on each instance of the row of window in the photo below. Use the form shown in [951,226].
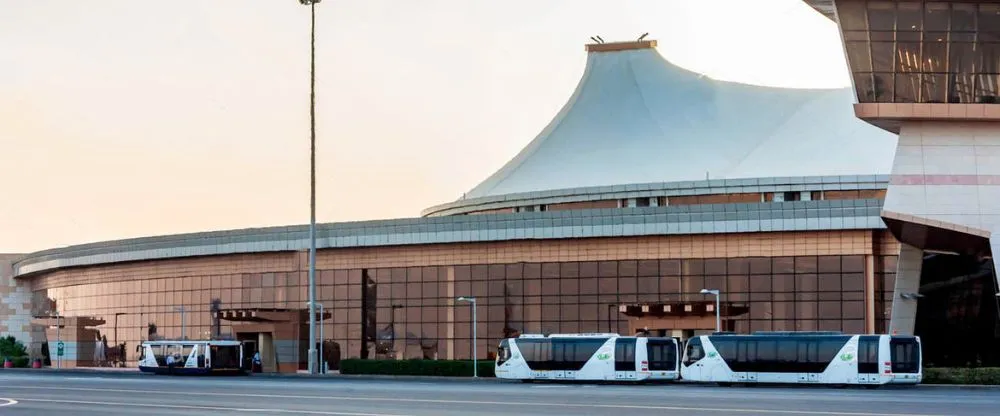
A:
[773,354]
[960,58]
[928,88]
[344,284]
[802,354]
[561,354]
[888,15]
[558,354]
[662,201]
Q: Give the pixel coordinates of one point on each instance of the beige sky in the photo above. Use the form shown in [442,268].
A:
[121,118]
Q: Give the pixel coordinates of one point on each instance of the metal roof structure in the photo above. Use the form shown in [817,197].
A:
[856,214]
[637,118]
[825,7]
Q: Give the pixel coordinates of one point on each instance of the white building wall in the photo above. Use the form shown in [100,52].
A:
[947,172]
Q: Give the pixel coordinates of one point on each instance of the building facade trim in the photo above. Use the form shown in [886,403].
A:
[668,189]
[623,222]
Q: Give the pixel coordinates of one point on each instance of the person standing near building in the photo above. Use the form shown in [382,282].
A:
[257,365]
[170,363]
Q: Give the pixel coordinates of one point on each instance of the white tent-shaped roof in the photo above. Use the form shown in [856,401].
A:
[637,118]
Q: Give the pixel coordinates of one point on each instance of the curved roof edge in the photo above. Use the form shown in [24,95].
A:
[856,214]
[640,190]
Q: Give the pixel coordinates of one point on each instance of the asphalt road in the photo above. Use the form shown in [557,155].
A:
[60,394]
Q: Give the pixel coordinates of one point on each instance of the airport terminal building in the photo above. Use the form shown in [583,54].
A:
[652,183]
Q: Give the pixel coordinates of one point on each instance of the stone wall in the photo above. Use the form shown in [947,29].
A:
[15,302]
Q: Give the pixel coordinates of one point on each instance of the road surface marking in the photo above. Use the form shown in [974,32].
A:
[214,408]
[7,402]
[479,402]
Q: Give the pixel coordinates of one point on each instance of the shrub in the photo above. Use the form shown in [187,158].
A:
[12,348]
[980,376]
[21,362]
[439,368]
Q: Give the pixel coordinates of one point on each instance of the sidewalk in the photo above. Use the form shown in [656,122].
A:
[132,371]
[334,375]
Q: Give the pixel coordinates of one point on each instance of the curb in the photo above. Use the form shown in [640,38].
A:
[959,386]
[333,377]
[381,377]
[55,371]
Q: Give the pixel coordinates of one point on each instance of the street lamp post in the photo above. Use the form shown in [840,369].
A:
[718,321]
[312,183]
[58,341]
[183,322]
[392,324]
[322,360]
[475,357]
[117,314]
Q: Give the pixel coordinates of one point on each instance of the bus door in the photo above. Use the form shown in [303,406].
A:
[868,359]
[904,358]
[663,358]
[625,360]
[746,357]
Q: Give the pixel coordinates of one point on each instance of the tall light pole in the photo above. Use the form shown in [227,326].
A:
[183,326]
[718,321]
[117,314]
[322,359]
[58,340]
[312,183]
[475,357]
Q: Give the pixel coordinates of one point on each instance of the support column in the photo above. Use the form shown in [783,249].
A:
[995,250]
[870,294]
[904,311]
[265,344]
[450,315]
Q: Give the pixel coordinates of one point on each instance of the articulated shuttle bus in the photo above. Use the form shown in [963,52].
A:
[823,358]
[186,357]
[803,357]
[590,357]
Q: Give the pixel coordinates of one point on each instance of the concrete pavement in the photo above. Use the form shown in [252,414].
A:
[104,394]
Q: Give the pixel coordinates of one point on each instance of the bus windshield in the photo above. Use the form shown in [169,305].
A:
[904,355]
[503,352]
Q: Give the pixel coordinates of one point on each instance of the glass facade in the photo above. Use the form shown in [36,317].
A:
[958,319]
[923,51]
[411,313]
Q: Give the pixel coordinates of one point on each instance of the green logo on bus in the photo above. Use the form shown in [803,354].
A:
[846,356]
[604,356]
[712,354]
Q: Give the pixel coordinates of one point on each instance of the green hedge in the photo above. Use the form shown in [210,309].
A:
[979,376]
[440,368]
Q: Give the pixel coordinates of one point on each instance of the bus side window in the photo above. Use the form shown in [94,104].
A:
[694,351]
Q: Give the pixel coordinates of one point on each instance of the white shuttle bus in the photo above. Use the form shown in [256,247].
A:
[186,357]
[803,357]
[588,357]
